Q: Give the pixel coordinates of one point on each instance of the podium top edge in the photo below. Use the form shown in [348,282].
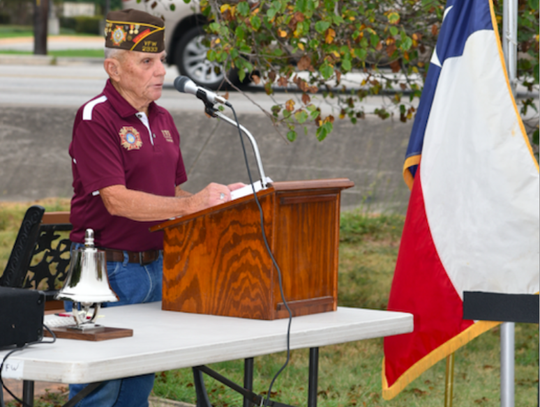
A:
[332,183]
[341,183]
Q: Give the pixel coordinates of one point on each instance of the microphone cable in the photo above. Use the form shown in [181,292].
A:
[267,399]
[22,403]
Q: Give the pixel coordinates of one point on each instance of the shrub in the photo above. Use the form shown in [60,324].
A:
[82,24]
[68,22]
[88,25]
[5,18]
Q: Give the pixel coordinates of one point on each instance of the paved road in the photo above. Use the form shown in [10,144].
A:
[38,104]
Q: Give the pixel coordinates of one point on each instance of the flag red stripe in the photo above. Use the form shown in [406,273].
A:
[421,287]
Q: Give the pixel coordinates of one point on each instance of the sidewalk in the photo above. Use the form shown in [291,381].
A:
[57,42]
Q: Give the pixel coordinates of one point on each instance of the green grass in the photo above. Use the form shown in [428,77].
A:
[14,31]
[81,53]
[350,373]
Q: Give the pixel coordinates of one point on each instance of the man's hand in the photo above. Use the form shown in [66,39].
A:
[213,194]
[235,186]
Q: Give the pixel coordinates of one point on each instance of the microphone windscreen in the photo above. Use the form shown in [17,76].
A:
[180,83]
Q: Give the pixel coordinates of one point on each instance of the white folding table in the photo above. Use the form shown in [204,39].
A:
[165,340]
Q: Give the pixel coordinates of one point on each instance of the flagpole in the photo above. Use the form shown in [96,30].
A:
[509,43]
[509,40]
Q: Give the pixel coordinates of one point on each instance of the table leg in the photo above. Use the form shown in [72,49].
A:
[200,389]
[313,376]
[28,392]
[248,379]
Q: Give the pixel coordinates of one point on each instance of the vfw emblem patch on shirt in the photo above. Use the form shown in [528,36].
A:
[131,139]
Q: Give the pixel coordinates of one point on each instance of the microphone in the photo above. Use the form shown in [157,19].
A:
[185,85]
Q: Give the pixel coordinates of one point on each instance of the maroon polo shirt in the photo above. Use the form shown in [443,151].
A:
[112,146]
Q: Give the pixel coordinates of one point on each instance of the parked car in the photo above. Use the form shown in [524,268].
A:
[184,41]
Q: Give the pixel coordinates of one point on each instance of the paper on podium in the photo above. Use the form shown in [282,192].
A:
[248,190]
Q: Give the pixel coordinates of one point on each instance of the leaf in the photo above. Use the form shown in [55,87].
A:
[282,33]
[393,17]
[289,105]
[324,130]
[282,81]
[346,64]
[268,88]
[240,33]
[305,98]
[301,5]
[330,35]
[326,70]
[394,31]
[241,75]
[255,22]
[173,7]
[374,39]
[243,8]
[291,135]
[360,53]
[406,44]
[304,64]
[301,116]
[322,26]
[214,27]
[337,19]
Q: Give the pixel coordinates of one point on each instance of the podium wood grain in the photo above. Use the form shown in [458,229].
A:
[216,262]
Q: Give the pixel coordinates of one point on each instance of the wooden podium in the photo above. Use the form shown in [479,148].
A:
[215,261]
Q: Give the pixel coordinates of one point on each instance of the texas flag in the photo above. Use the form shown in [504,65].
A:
[473,217]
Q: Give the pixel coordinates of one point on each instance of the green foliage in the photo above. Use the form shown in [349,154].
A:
[391,42]
[82,24]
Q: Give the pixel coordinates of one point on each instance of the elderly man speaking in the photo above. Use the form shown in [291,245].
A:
[127,171]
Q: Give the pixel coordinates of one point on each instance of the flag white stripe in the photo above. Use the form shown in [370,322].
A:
[480,184]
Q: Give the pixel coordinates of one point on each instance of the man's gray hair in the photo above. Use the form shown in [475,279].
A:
[113,52]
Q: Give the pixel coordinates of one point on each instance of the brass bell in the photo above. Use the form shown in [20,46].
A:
[87,282]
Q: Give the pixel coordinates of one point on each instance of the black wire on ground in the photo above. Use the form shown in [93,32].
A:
[17,350]
[267,400]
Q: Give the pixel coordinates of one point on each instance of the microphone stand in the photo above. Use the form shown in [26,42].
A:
[213,112]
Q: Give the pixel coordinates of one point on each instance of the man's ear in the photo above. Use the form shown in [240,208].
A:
[112,67]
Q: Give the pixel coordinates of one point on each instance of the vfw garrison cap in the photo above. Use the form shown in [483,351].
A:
[134,30]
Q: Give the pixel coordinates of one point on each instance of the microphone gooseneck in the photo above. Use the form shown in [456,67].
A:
[185,85]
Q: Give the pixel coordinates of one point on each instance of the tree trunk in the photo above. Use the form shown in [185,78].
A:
[41,17]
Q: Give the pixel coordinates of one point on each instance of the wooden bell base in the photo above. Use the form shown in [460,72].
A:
[98,334]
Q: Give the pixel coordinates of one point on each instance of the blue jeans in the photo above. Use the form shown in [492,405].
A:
[133,284]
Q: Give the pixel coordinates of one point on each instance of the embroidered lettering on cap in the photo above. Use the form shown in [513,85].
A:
[130,138]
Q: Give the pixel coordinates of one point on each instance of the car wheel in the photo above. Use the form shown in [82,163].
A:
[190,58]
